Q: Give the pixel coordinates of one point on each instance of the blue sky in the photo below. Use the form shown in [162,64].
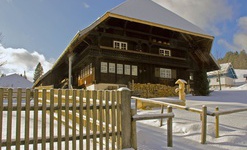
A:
[40,30]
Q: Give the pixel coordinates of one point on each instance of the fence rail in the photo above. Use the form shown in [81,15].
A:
[202,112]
[217,115]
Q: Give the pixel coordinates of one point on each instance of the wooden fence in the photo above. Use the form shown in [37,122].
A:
[203,114]
[62,119]
[70,119]
[217,113]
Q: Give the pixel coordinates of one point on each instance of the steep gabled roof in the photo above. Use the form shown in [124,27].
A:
[151,12]
[140,11]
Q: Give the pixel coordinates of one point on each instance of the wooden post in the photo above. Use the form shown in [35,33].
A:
[70,71]
[133,85]
[133,130]
[1,114]
[161,111]
[18,119]
[9,118]
[217,123]
[204,124]
[181,89]
[27,119]
[169,128]
[125,99]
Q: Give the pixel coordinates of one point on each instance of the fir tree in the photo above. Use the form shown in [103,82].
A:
[201,86]
[38,72]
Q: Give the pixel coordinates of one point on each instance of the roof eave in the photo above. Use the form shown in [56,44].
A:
[158,25]
[79,35]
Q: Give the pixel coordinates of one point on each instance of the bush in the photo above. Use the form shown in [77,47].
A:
[201,84]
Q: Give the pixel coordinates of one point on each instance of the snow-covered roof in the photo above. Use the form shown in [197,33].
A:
[242,74]
[225,69]
[150,11]
[145,12]
[15,81]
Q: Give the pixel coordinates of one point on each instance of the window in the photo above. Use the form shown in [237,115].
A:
[111,68]
[104,67]
[134,70]
[165,73]
[127,69]
[165,52]
[119,68]
[120,45]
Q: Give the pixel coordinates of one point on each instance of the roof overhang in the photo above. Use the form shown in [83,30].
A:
[157,25]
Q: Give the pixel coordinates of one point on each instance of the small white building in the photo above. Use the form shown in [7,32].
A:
[225,77]
[15,81]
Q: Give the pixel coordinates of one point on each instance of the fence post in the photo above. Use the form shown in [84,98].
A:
[133,129]
[161,111]
[204,124]
[169,127]
[217,123]
[125,117]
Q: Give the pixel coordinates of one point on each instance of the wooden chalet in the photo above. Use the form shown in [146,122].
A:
[138,41]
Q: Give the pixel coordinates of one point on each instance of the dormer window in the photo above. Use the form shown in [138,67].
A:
[120,45]
[165,52]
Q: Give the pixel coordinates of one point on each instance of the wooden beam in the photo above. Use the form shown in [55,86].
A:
[158,25]
[152,116]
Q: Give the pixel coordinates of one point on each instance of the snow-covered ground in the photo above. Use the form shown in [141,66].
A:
[240,74]
[187,125]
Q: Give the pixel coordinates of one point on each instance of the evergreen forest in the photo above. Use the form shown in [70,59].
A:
[238,59]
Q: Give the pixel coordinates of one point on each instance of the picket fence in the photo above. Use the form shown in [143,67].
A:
[61,119]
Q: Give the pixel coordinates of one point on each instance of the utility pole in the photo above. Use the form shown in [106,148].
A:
[219,79]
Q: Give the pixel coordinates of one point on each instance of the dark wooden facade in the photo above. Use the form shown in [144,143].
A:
[95,58]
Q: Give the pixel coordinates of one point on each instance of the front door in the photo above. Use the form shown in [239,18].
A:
[144,74]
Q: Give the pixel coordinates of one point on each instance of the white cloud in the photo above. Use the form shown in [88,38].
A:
[19,60]
[227,45]
[239,38]
[85,5]
[205,14]
[242,23]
